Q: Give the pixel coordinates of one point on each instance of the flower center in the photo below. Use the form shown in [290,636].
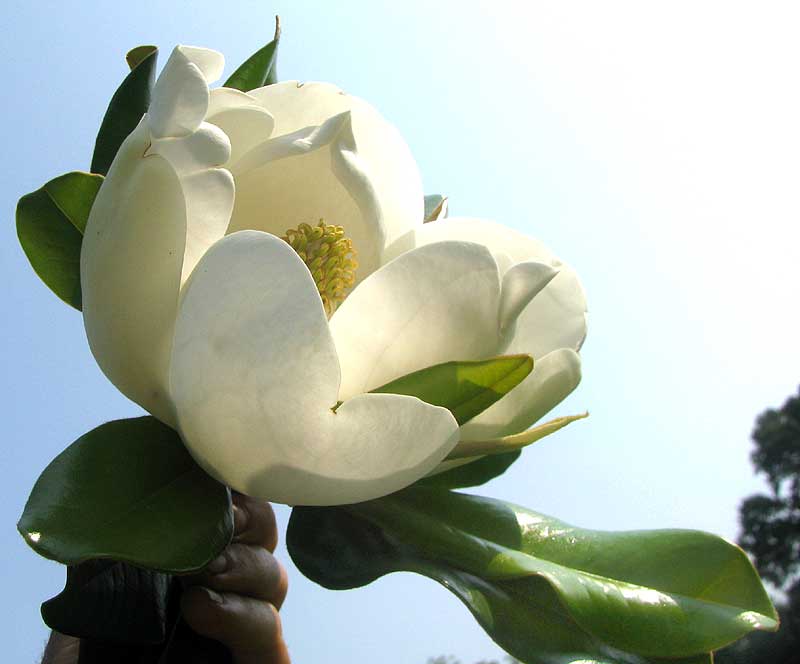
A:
[329,256]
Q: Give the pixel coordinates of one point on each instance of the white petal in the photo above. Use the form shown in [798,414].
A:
[209,191]
[521,283]
[246,127]
[225,99]
[207,147]
[555,318]
[553,377]
[307,176]
[209,198]
[431,305]
[498,238]
[255,379]
[210,63]
[180,95]
[239,115]
[387,159]
[130,273]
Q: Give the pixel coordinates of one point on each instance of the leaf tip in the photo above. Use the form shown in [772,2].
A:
[137,54]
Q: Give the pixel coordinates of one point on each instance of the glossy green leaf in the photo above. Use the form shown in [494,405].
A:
[435,207]
[466,389]
[259,69]
[474,473]
[544,590]
[129,103]
[50,225]
[128,490]
[111,601]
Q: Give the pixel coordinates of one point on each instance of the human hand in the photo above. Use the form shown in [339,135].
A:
[235,600]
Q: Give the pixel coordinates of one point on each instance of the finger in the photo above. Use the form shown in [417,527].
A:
[251,629]
[248,570]
[254,522]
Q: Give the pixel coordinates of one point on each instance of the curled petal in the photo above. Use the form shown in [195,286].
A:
[386,157]
[255,381]
[521,283]
[246,127]
[208,146]
[555,318]
[312,174]
[239,115]
[210,63]
[180,96]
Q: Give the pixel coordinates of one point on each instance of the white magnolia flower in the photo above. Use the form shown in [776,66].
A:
[196,309]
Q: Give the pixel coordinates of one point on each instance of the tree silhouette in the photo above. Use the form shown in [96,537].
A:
[770,527]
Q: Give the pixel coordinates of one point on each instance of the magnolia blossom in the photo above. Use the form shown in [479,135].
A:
[254,264]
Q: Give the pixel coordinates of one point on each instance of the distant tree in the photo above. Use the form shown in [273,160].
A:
[770,527]
[449,659]
[771,524]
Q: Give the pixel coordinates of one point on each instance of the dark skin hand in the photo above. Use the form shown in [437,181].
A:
[235,599]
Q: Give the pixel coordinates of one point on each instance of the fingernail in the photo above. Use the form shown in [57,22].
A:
[218,565]
[214,596]
[240,518]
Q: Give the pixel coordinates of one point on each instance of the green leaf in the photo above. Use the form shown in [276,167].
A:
[435,207]
[127,106]
[466,389]
[259,69]
[50,225]
[128,490]
[137,54]
[111,601]
[542,589]
[474,473]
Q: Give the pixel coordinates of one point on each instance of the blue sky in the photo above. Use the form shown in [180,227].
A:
[653,146]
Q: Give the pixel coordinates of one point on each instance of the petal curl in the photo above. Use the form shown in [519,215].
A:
[255,380]
[208,146]
[312,174]
[388,161]
[555,318]
[180,96]
[239,115]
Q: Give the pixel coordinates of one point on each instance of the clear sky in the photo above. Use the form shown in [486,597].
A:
[653,146]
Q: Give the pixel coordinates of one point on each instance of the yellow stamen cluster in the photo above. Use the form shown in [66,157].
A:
[330,257]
